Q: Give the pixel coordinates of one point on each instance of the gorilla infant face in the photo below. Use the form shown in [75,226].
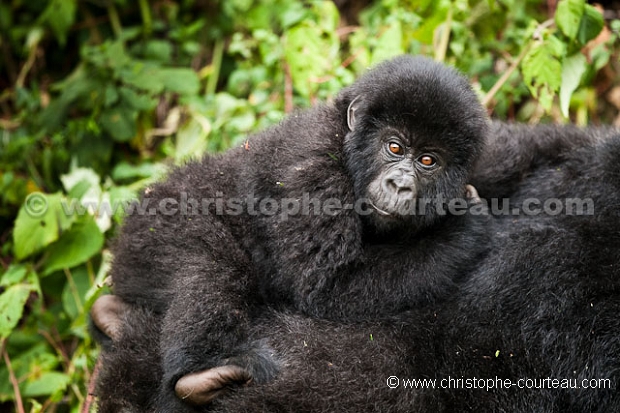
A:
[397,188]
[412,142]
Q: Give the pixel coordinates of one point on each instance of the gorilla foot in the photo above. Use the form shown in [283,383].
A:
[203,387]
[255,364]
[106,313]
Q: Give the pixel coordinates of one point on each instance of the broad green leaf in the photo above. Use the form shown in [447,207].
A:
[74,292]
[329,18]
[78,176]
[180,80]
[306,55]
[191,140]
[390,43]
[15,274]
[568,15]
[110,96]
[120,123]
[591,25]
[125,171]
[122,195]
[46,384]
[39,222]
[78,244]
[142,76]
[160,50]
[542,71]
[572,69]
[137,101]
[292,15]
[60,15]
[115,54]
[426,32]
[12,302]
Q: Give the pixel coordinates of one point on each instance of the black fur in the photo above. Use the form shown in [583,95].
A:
[547,298]
[211,275]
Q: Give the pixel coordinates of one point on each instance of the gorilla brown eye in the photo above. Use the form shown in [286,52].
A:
[395,148]
[427,160]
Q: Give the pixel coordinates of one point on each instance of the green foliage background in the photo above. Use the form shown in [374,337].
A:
[98,98]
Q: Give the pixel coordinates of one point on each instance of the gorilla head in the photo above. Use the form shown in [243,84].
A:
[412,140]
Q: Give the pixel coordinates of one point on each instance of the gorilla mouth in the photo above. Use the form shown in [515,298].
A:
[393,207]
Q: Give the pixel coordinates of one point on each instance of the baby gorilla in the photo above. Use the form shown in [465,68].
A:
[386,222]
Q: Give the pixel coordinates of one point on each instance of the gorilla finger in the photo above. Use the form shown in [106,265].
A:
[471,193]
[106,313]
[203,387]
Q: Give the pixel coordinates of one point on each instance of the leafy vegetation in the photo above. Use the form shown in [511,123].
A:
[99,98]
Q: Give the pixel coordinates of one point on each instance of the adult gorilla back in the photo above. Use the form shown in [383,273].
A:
[536,329]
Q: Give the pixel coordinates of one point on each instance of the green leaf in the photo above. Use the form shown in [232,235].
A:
[79,176]
[568,15]
[120,123]
[60,15]
[572,69]
[292,15]
[191,140]
[46,384]
[137,101]
[39,222]
[591,25]
[390,43]
[142,76]
[328,15]
[78,244]
[124,171]
[74,292]
[306,55]
[180,80]
[15,274]
[160,50]
[12,302]
[542,70]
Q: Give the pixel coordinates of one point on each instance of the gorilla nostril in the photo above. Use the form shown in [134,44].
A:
[390,185]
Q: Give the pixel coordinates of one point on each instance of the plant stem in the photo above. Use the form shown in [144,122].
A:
[115,21]
[145,11]
[216,64]
[442,47]
[504,78]
[536,37]
[19,405]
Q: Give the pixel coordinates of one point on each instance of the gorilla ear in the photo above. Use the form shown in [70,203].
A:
[355,103]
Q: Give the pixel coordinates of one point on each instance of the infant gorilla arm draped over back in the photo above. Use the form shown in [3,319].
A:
[407,132]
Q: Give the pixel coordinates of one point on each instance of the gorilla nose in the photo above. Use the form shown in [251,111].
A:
[402,187]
